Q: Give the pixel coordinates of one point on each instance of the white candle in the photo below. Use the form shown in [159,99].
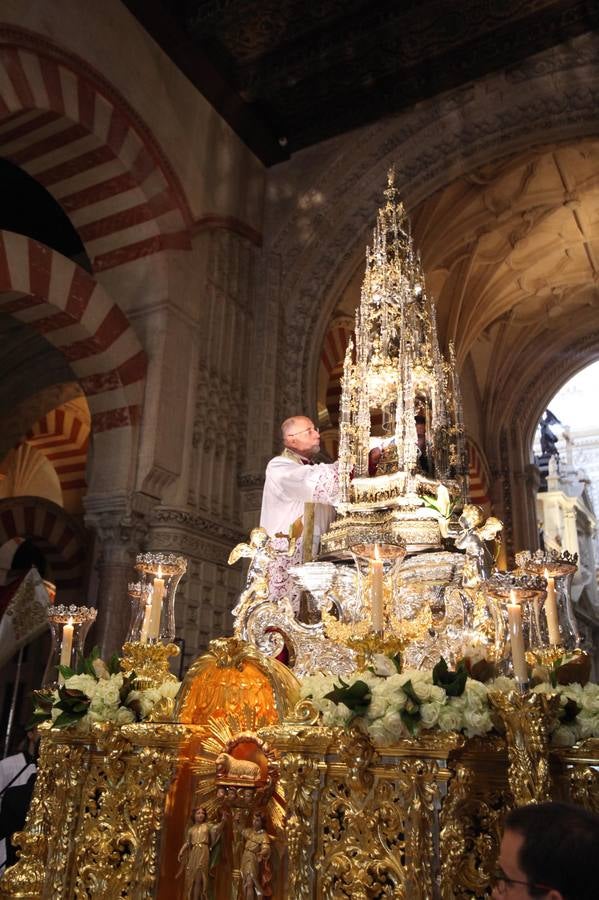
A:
[66,647]
[514,613]
[551,613]
[376,569]
[145,625]
[157,595]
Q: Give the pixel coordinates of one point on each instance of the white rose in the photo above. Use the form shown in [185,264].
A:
[124,716]
[379,734]
[450,719]
[85,683]
[169,689]
[477,722]
[376,708]
[316,686]
[429,713]
[437,694]
[564,736]
[334,714]
[423,689]
[383,666]
[475,689]
[394,724]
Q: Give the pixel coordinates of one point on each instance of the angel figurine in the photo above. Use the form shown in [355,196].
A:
[474,532]
[262,554]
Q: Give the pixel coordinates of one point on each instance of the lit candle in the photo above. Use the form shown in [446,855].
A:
[551,613]
[157,595]
[66,647]
[514,613]
[376,568]
[145,625]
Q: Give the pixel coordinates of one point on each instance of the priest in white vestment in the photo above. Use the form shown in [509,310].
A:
[297,502]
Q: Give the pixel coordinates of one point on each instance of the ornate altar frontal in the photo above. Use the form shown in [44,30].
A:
[366,746]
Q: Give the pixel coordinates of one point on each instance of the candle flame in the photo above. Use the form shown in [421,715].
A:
[159,571]
[376,552]
[513,598]
[70,622]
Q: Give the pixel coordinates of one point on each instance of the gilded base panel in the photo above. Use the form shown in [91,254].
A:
[94,823]
[421,820]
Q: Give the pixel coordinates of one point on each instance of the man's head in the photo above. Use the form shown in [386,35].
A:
[549,851]
[300,435]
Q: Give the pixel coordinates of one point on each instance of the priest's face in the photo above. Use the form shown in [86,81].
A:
[304,439]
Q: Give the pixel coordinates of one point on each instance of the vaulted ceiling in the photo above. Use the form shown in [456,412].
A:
[511,253]
[286,74]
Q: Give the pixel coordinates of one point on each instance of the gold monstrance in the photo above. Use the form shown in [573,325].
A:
[401,433]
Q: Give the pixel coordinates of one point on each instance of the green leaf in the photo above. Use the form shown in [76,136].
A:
[570,711]
[396,660]
[67,718]
[88,668]
[66,672]
[127,686]
[409,691]
[43,699]
[411,720]
[453,683]
[37,717]
[356,697]
[114,664]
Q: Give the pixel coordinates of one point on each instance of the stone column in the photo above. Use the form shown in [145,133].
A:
[120,533]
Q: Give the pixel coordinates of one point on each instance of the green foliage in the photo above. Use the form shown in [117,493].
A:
[410,714]
[356,697]
[453,683]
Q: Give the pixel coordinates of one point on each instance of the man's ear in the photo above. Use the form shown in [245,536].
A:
[554,895]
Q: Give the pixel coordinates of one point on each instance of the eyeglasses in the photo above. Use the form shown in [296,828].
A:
[502,882]
[304,430]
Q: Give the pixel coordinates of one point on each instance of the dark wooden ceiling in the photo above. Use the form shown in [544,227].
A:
[286,74]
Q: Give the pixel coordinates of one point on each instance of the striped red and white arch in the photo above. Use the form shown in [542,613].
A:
[54,532]
[73,312]
[65,126]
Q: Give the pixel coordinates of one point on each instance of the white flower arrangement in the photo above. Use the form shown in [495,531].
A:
[390,705]
[99,693]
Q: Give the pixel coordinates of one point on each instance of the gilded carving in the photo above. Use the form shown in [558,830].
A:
[527,718]
[299,780]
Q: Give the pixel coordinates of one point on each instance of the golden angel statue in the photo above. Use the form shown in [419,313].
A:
[194,855]
[471,538]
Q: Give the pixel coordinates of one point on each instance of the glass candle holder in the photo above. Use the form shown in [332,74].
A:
[69,626]
[516,601]
[161,574]
[558,570]
[376,565]
[140,596]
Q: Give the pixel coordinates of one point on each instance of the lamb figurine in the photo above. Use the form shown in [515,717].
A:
[236,769]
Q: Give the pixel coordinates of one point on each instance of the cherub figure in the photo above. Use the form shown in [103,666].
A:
[261,552]
[474,532]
